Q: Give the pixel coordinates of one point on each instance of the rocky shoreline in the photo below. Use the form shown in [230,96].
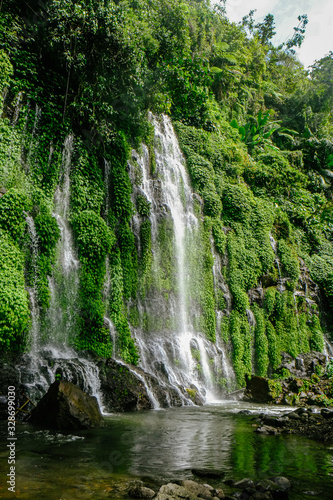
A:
[308,422]
[275,488]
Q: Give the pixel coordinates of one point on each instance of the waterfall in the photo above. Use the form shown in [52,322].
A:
[223,365]
[178,354]
[280,286]
[63,314]
[51,352]
[32,290]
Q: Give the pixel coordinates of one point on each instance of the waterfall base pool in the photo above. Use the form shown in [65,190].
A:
[162,445]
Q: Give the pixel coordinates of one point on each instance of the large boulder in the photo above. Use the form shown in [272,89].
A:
[66,407]
[173,491]
[122,388]
[257,389]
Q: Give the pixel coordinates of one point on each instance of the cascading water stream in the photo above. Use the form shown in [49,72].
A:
[107,283]
[32,290]
[222,362]
[51,352]
[180,357]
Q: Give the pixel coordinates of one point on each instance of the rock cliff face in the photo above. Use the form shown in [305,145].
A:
[301,384]
[66,407]
[126,389]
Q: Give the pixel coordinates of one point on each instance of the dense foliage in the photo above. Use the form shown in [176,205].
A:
[256,130]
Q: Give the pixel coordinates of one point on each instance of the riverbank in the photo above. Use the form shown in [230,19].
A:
[310,422]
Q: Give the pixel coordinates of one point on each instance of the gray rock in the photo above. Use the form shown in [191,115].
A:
[282,482]
[209,487]
[173,491]
[124,390]
[294,416]
[244,483]
[197,489]
[266,429]
[138,490]
[65,406]
[267,485]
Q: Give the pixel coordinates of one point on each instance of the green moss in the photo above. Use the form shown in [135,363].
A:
[145,262]
[220,238]
[129,260]
[237,203]
[143,205]
[87,188]
[120,185]
[13,206]
[6,71]
[273,345]
[316,336]
[14,304]
[275,388]
[225,329]
[261,343]
[94,238]
[289,260]
[241,342]
[269,300]
[125,344]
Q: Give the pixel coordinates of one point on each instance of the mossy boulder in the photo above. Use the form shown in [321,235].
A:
[66,407]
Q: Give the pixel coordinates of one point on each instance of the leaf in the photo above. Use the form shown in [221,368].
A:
[234,123]
[242,132]
[269,133]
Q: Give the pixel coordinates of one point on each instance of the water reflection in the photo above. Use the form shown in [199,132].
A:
[162,444]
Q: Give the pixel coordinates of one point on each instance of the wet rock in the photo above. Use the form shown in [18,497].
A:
[304,365]
[213,473]
[209,487]
[122,389]
[197,489]
[256,295]
[266,429]
[65,406]
[326,413]
[282,482]
[244,483]
[257,389]
[267,485]
[261,496]
[294,416]
[172,491]
[137,489]
[219,493]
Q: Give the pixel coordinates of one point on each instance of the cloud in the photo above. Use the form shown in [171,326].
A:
[318,38]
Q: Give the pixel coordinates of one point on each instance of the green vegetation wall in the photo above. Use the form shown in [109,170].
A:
[256,131]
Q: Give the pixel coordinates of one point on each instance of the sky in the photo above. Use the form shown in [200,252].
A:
[319,31]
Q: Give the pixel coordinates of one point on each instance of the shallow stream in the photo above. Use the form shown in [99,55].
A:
[163,444]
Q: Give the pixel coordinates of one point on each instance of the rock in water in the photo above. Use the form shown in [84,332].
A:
[66,407]
[122,388]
